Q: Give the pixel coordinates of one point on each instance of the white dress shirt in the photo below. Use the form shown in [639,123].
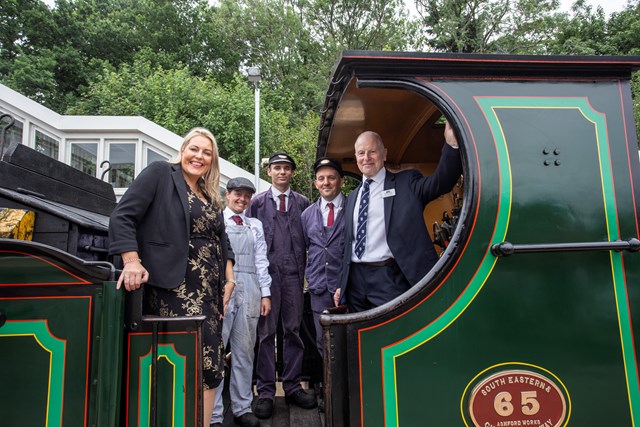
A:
[337,207]
[376,247]
[276,197]
[259,247]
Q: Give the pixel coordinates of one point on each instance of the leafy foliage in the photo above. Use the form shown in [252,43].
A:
[180,62]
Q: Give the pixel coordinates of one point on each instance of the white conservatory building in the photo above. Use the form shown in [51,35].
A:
[112,148]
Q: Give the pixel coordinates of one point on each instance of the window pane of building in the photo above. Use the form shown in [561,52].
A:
[154,156]
[84,157]
[13,134]
[122,159]
[47,145]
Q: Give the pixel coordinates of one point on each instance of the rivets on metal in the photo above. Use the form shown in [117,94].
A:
[547,151]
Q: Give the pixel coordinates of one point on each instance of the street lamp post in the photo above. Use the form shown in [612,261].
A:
[254,76]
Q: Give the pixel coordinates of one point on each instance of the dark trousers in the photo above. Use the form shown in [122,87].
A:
[371,286]
[286,304]
[320,303]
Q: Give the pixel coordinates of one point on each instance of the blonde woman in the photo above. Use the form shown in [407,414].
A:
[169,230]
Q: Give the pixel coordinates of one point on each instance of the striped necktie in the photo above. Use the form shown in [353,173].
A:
[363,213]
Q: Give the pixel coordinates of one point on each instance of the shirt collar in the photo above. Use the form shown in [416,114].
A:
[276,193]
[228,213]
[337,201]
[379,177]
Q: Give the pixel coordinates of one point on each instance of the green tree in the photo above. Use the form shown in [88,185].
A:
[180,101]
[487,26]
[78,39]
[27,62]
[585,32]
[272,35]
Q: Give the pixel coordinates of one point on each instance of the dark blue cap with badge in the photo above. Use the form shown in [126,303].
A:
[325,161]
[282,157]
[240,183]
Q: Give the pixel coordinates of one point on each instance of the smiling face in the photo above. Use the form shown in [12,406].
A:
[328,182]
[370,154]
[238,199]
[196,158]
[281,174]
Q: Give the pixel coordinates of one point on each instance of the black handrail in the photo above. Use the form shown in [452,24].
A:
[108,163]
[505,249]
[4,131]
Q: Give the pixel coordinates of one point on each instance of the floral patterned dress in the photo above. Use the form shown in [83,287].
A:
[201,290]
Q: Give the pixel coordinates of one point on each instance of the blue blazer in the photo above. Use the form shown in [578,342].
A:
[153,218]
[325,247]
[407,234]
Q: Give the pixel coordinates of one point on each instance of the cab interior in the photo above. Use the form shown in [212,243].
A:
[412,128]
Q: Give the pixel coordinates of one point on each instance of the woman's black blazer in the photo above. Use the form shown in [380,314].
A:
[153,219]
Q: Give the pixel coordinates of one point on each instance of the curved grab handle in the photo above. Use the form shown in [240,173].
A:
[12,121]
[505,249]
[107,162]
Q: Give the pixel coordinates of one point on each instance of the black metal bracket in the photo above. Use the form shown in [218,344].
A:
[505,249]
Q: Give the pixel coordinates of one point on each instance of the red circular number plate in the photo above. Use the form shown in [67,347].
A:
[517,398]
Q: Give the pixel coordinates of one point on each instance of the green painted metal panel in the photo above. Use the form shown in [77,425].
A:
[177,383]
[61,345]
[47,341]
[553,166]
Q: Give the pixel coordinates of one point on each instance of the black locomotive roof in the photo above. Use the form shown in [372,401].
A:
[410,119]
[482,65]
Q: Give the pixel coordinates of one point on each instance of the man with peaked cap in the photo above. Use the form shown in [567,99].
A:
[323,226]
[250,300]
[279,208]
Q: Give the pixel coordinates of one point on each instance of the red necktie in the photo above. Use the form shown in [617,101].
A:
[330,217]
[283,207]
[237,219]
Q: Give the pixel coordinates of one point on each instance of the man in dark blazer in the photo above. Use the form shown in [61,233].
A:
[387,247]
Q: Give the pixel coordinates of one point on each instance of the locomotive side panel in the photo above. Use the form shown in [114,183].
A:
[528,318]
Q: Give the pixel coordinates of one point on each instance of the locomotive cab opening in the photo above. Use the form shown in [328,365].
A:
[412,128]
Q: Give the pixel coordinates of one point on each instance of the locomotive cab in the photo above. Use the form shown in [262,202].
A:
[528,317]
[416,144]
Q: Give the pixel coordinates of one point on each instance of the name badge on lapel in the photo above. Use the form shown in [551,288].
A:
[388,193]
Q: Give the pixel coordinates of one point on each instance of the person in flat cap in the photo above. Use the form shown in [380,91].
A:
[323,227]
[249,302]
[280,208]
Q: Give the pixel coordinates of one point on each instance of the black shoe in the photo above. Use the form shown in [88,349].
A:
[302,399]
[215,425]
[264,408]
[247,420]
